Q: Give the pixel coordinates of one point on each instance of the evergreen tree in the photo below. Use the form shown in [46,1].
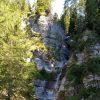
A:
[91,7]
[73,16]
[93,15]
[15,72]
[73,22]
[42,6]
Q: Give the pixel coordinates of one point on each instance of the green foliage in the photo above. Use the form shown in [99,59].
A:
[84,14]
[91,7]
[93,65]
[76,73]
[15,72]
[71,98]
[43,75]
[65,21]
[41,6]
[73,19]
[93,15]
[87,92]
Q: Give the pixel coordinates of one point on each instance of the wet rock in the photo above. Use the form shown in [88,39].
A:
[49,85]
[64,53]
[60,64]
[39,63]
[52,36]
[42,65]
[67,38]
[39,83]
[44,90]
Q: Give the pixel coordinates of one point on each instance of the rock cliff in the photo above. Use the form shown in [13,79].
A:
[53,61]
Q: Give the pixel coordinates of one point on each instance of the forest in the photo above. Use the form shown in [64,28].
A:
[44,57]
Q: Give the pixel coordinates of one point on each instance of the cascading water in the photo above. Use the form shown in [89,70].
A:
[53,37]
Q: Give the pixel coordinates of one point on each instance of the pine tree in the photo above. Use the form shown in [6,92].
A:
[42,6]
[15,73]
[73,15]
[91,13]
[73,22]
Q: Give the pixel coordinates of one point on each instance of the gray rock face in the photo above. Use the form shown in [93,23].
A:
[51,32]
[91,50]
[85,38]
[44,90]
[52,36]
[80,58]
[91,80]
[42,65]
[95,50]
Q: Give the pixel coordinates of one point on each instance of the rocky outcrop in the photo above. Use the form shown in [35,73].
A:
[87,48]
[42,65]
[52,61]
[92,81]
[52,36]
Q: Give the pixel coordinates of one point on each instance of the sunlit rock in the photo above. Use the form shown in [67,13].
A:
[85,38]
[92,81]
[24,23]
[62,86]
[95,50]
[80,58]
[42,65]
[28,60]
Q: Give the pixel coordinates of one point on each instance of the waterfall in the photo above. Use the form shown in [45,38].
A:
[57,81]
[53,37]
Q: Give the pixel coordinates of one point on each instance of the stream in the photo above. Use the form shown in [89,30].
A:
[48,90]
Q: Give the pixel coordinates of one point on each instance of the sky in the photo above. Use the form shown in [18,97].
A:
[57,6]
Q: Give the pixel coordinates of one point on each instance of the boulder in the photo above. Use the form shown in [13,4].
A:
[42,65]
